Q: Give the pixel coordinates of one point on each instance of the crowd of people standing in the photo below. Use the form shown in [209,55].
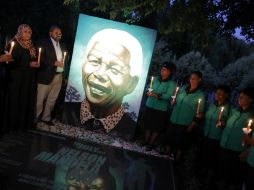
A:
[181,117]
[31,78]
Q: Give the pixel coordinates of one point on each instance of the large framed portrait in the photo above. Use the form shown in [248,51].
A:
[108,74]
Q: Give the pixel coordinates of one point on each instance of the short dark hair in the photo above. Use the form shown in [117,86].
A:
[53,27]
[224,88]
[169,65]
[198,73]
[249,91]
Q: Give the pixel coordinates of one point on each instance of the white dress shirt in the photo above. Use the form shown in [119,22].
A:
[59,53]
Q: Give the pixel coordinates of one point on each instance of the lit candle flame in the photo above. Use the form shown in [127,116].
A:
[11,49]
[198,108]
[64,56]
[250,122]
[151,84]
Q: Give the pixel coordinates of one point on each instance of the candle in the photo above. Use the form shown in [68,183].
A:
[64,56]
[177,89]
[219,118]
[198,108]
[221,111]
[39,56]
[247,130]
[249,124]
[11,48]
[174,96]
[151,84]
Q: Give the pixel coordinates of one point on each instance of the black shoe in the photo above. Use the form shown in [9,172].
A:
[48,122]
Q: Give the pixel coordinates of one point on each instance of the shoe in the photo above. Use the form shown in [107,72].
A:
[48,122]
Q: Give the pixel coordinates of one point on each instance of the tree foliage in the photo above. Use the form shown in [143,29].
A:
[194,61]
[239,14]
[186,25]
[238,74]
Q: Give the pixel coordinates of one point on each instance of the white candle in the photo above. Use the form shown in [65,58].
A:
[177,89]
[39,56]
[221,111]
[64,56]
[198,108]
[151,84]
[11,48]
[249,124]
[174,96]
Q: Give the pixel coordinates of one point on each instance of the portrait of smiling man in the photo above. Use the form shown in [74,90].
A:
[110,71]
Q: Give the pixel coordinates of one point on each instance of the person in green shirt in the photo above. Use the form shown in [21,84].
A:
[232,151]
[215,120]
[163,88]
[188,109]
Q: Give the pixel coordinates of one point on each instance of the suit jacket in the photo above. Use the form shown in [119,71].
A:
[47,68]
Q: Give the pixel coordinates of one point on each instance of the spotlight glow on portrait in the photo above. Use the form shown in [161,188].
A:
[99,48]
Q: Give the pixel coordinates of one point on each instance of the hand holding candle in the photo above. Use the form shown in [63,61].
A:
[247,129]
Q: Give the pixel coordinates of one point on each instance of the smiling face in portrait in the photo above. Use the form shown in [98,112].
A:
[106,74]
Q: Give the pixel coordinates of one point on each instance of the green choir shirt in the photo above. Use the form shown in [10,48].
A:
[211,119]
[232,134]
[185,108]
[164,90]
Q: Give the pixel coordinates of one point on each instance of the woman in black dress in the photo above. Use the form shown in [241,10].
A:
[20,104]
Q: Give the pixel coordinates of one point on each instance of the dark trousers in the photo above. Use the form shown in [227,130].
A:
[209,153]
[231,167]
[249,179]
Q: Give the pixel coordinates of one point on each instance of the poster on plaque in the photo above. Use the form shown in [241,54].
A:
[107,76]
[44,161]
